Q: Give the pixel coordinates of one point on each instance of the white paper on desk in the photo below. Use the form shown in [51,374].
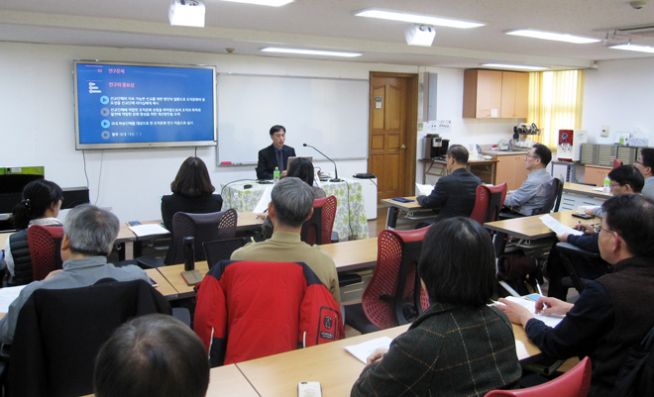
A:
[557,227]
[7,295]
[550,321]
[364,349]
[148,229]
[262,205]
[423,190]
[598,189]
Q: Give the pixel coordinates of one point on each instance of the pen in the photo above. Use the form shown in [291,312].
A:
[540,291]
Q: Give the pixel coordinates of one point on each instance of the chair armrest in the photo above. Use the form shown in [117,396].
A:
[567,247]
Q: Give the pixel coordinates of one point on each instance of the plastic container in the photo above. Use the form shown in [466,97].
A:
[276,174]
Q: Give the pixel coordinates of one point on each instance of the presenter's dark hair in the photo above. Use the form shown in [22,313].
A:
[459,153]
[38,196]
[192,179]
[628,175]
[647,157]
[632,217]
[153,355]
[457,263]
[277,128]
[543,152]
[301,168]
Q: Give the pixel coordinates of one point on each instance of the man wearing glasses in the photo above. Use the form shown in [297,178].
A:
[533,193]
[645,165]
[614,312]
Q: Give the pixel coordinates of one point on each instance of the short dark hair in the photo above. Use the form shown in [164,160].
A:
[192,179]
[543,152]
[153,355]
[459,153]
[301,168]
[277,128]
[457,263]
[628,175]
[37,197]
[293,200]
[632,217]
[647,157]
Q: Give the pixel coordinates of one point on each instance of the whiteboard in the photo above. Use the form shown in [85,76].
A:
[331,114]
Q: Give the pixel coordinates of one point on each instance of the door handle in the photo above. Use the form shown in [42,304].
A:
[403,147]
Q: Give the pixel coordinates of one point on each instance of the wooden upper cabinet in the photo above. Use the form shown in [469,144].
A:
[495,94]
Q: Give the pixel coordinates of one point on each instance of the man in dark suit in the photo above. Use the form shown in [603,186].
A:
[454,194]
[275,155]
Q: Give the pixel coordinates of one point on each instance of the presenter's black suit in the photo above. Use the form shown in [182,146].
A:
[268,161]
[453,195]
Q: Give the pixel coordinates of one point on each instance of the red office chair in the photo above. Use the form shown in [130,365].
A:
[573,383]
[488,202]
[318,229]
[44,243]
[204,227]
[394,295]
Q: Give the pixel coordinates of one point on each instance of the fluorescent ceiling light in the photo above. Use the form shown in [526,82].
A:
[416,18]
[514,67]
[302,51]
[270,3]
[634,47]
[186,13]
[539,34]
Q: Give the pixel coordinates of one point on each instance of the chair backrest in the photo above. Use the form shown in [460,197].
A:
[318,229]
[44,243]
[395,295]
[203,227]
[59,332]
[248,309]
[218,250]
[573,383]
[554,191]
[489,200]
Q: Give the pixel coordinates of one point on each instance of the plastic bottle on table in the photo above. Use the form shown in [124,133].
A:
[607,184]
[276,174]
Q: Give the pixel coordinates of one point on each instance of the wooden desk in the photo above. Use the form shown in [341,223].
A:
[229,381]
[352,255]
[330,364]
[246,221]
[347,255]
[394,207]
[531,227]
[163,286]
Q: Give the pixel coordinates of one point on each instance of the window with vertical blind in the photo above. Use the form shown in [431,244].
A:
[555,102]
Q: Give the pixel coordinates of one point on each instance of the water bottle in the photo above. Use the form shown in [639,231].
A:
[189,253]
[607,184]
[276,174]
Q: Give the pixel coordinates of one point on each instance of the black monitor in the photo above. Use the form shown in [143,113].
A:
[12,182]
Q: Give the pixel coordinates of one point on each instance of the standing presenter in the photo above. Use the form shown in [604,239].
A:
[275,155]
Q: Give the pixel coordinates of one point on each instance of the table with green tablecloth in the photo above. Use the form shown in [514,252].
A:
[350,222]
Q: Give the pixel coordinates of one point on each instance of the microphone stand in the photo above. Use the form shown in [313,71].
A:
[336,179]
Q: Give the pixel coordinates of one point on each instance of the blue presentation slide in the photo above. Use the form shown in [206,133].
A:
[123,104]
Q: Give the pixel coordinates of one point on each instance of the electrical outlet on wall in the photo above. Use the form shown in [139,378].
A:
[605,131]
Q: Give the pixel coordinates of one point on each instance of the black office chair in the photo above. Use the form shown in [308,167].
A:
[555,191]
[203,227]
[580,265]
[60,331]
[218,250]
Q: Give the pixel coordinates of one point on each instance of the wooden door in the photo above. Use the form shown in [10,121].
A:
[392,132]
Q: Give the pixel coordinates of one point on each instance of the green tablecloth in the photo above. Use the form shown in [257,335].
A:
[350,222]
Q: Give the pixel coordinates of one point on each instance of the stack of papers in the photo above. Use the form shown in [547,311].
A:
[557,227]
[149,229]
[550,321]
[363,350]
[423,190]
[7,295]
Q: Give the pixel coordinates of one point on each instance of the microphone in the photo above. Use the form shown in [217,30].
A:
[328,158]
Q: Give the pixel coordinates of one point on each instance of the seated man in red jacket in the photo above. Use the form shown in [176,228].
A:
[613,313]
